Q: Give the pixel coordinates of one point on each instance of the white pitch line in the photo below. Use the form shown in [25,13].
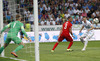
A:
[14,58]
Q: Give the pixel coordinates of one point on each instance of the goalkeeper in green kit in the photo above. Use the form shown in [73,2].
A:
[15,27]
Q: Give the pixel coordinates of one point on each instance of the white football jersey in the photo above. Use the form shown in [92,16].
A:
[87,25]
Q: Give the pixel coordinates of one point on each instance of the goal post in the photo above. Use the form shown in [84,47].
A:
[36,31]
[1,24]
[35,6]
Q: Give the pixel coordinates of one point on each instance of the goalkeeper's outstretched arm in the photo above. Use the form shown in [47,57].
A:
[7,26]
[23,31]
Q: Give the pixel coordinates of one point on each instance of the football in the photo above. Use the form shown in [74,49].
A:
[95,20]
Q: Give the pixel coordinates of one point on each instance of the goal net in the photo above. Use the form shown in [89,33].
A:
[11,8]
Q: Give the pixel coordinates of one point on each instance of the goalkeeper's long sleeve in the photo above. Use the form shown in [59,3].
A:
[7,26]
[23,31]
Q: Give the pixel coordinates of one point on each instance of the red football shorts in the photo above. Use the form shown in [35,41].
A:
[65,36]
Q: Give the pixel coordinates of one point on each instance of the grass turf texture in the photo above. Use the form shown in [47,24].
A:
[91,54]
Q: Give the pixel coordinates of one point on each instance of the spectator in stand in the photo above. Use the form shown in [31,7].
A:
[8,18]
[58,10]
[95,14]
[56,7]
[46,15]
[44,6]
[92,10]
[84,6]
[67,4]
[31,18]
[76,11]
[41,8]
[43,11]
[73,7]
[94,7]
[80,19]
[48,8]
[75,1]
[5,5]
[87,10]
[27,27]
[79,6]
[50,14]
[89,6]
[39,21]
[89,14]
[73,16]
[48,22]
[26,14]
[84,13]
[12,19]
[67,14]
[55,15]
[62,14]
[58,19]
[90,19]
[70,10]
[76,20]
[71,4]
[39,15]
[52,18]
[81,11]
[21,3]
[53,22]
[64,19]
[42,21]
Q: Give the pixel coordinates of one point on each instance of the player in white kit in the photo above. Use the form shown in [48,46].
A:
[88,34]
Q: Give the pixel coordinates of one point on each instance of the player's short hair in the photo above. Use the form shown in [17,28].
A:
[18,16]
[69,17]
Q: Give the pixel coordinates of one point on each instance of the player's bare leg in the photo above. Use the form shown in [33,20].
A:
[21,45]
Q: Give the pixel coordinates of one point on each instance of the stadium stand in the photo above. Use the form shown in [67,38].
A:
[53,12]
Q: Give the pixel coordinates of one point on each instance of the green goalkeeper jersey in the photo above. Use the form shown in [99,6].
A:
[15,27]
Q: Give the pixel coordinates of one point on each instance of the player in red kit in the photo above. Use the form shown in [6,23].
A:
[65,34]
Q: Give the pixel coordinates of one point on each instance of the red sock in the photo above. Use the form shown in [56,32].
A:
[55,45]
[70,44]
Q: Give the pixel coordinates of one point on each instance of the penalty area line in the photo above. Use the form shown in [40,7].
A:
[14,58]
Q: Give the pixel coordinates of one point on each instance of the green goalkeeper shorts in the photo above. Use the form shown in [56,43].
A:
[12,37]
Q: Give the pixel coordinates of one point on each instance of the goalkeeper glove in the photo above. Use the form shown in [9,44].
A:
[29,39]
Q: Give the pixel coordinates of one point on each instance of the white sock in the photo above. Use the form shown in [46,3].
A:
[85,43]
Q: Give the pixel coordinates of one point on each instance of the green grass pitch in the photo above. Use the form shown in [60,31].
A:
[91,54]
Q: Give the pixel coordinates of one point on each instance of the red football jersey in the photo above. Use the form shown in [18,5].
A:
[66,27]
